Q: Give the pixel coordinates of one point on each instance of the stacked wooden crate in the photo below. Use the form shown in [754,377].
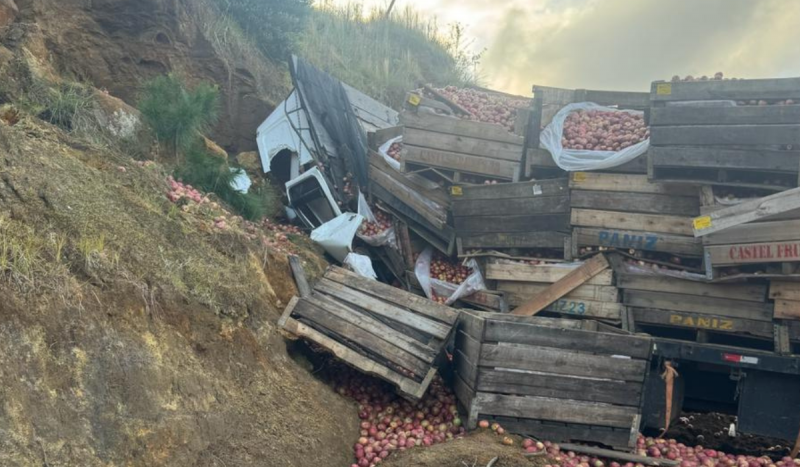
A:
[734,132]
[560,380]
[527,215]
[598,298]
[547,101]
[378,329]
[628,212]
[455,149]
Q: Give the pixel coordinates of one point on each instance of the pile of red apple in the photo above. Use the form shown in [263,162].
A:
[598,130]
[446,271]
[382,223]
[394,151]
[485,107]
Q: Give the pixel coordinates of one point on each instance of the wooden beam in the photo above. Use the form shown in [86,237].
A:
[299,276]
[623,456]
[747,212]
[562,287]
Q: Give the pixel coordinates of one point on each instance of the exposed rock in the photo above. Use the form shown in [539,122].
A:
[8,12]
[250,161]
[214,149]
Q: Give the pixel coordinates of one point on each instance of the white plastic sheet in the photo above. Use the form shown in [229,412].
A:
[387,237]
[360,265]
[336,236]
[473,283]
[579,160]
[384,151]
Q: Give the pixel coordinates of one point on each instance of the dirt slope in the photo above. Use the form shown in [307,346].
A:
[132,333]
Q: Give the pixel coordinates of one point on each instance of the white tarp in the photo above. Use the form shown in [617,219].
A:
[336,236]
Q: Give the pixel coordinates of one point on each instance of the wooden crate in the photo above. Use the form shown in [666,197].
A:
[547,101]
[453,148]
[744,145]
[597,299]
[629,212]
[556,379]
[378,329]
[526,215]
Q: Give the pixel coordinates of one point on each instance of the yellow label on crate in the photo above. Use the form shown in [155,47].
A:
[664,89]
[414,99]
[456,191]
[580,177]
[701,223]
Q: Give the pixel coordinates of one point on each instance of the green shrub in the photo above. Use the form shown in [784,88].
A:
[176,114]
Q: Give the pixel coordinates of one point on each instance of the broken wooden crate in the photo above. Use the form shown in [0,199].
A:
[731,132]
[378,329]
[554,379]
[598,298]
[456,149]
[786,296]
[548,101]
[630,213]
[522,216]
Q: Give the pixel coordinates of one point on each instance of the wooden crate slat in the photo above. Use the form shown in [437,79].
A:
[777,231]
[628,221]
[397,355]
[767,160]
[375,305]
[562,410]
[737,90]
[559,361]
[559,323]
[465,368]
[469,347]
[784,290]
[702,305]
[449,160]
[636,202]
[567,339]
[787,309]
[639,240]
[459,127]
[591,181]
[462,145]
[738,115]
[465,394]
[512,224]
[554,240]
[560,432]
[540,273]
[391,294]
[537,188]
[559,386]
[601,293]
[472,325]
[698,321]
[578,307]
[739,135]
[748,211]
[520,206]
[754,253]
[412,195]
[745,292]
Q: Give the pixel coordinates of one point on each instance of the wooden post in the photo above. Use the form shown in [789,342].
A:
[565,285]
[299,276]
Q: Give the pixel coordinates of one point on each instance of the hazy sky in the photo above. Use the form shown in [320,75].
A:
[623,44]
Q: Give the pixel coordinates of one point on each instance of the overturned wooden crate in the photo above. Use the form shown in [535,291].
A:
[556,379]
[733,132]
[456,149]
[522,216]
[548,101]
[598,298]
[630,213]
[378,329]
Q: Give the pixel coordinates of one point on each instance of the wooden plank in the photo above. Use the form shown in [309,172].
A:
[560,323]
[560,432]
[394,295]
[636,202]
[407,386]
[340,311]
[736,135]
[466,369]
[287,313]
[740,89]
[465,394]
[703,305]
[738,115]
[472,324]
[299,276]
[745,292]
[760,232]
[541,273]
[559,387]
[600,293]
[786,309]
[323,318]
[702,321]
[769,160]
[381,308]
[563,286]
[747,211]
[461,162]
[511,224]
[638,240]
[428,209]
[784,290]
[592,181]
[599,343]
[562,410]
[517,206]
[463,144]
[577,307]
[487,300]
[609,454]
[554,240]
[627,221]
[460,127]
[753,253]
[537,188]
